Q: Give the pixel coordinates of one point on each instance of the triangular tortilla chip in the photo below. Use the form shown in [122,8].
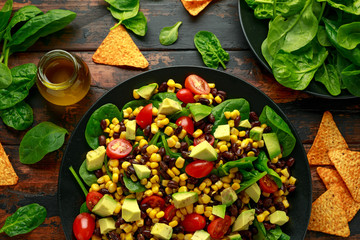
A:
[328,137]
[195,7]
[119,49]
[8,175]
[347,163]
[331,178]
[327,215]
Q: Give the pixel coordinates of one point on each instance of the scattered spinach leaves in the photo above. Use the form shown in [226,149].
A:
[137,24]
[169,35]
[133,186]
[19,117]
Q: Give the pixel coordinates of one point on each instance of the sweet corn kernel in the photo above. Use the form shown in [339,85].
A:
[95,187]
[123,135]
[183,177]
[285,172]
[207,190]
[170,173]
[154,128]
[190,186]
[176,179]
[173,223]
[219,184]
[168,190]
[265,194]
[133,177]
[233,138]
[286,203]
[235,186]
[175,171]
[223,148]
[155,179]
[208,182]
[214,187]
[227,114]
[155,111]
[190,208]
[180,162]
[153,213]
[205,198]
[135,94]
[183,211]
[283,179]
[292,180]
[160,214]
[182,183]
[212,217]
[171,142]
[182,189]
[202,186]
[152,149]
[182,134]
[154,165]
[164,122]
[250,154]
[197,133]
[231,123]
[169,130]
[199,209]
[242,134]
[155,157]
[274,160]
[171,83]
[148,185]
[207,213]
[197,191]
[218,99]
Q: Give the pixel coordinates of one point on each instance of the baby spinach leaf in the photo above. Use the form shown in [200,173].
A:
[84,208]
[19,117]
[23,79]
[93,129]
[5,76]
[349,6]
[5,14]
[159,97]
[322,37]
[123,15]
[245,163]
[348,35]
[133,186]
[229,105]
[328,75]
[210,49]
[137,24]
[351,79]
[24,220]
[123,5]
[274,234]
[280,127]
[169,35]
[167,148]
[261,164]
[88,177]
[249,178]
[42,139]
[285,8]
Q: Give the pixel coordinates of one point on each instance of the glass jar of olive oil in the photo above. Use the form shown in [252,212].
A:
[63,78]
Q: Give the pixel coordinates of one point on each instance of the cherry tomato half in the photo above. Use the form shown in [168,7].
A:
[199,168]
[267,184]
[144,118]
[83,226]
[154,201]
[196,84]
[186,123]
[202,138]
[118,148]
[170,212]
[218,228]
[185,95]
[193,222]
[92,199]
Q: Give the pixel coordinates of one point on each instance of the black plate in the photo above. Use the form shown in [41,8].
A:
[71,197]
[255,31]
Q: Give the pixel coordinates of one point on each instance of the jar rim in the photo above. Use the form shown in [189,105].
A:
[51,55]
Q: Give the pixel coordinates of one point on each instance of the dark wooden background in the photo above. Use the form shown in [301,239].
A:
[38,182]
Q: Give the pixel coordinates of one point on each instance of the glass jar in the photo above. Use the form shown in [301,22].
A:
[63,78]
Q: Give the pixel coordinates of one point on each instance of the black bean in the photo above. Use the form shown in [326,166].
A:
[144,206]
[255,124]
[228,155]
[198,123]
[114,236]
[279,206]
[131,169]
[147,232]
[163,87]
[166,158]
[119,221]
[239,203]
[116,135]
[136,151]
[237,121]
[143,149]
[214,178]
[269,226]
[147,222]
[164,174]
[185,154]
[140,237]
[172,184]
[161,152]
[213,91]
[145,157]
[238,175]
[253,116]
[192,180]
[172,162]
[290,162]
[98,173]
[233,210]
[122,127]
[247,133]
[229,231]
[104,191]
[178,130]
[248,147]
[256,151]
[163,220]
[164,166]
[129,157]
[204,101]
[208,128]
[267,202]
[267,129]
[208,137]
[147,131]
[211,118]
[222,93]
[271,165]
[121,176]
[291,188]
[102,140]
[238,152]
[183,146]
[103,124]
[97,232]
[167,198]
[258,211]
[246,234]
[143,214]
[178,229]
[280,164]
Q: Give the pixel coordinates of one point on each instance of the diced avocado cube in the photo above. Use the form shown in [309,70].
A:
[183,199]
[105,206]
[256,133]
[222,132]
[95,158]
[201,235]
[199,111]
[244,220]
[106,225]
[219,210]
[272,144]
[245,124]
[204,151]
[234,236]
[278,217]
[162,231]
[228,196]
[130,133]
[254,192]
[130,210]
[142,171]
[169,106]
[147,91]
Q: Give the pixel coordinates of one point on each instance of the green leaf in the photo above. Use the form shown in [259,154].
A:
[159,97]
[261,164]
[351,79]
[84,208]
[123,15]
[42,139]
[285,8]
[169,35]
[137,24]
[133,186]
[245,163]
[210,49]
[328,75]
[19,117]
[5,76]
[123,5]
[348,35]
[88,177]
[78,180]
[322,37]
[349,6]
[5,14]
[249,178]
[24,220]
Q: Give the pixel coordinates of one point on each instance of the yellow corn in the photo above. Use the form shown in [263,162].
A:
[227,114]
[242,134]
[154,128]
[223,148]
[175,171]
[180,162]
[168,190]
[133,177]
[173,223]
[176,179]
[292,180]
[285,172]
[212,217]
[155,189]
[283,179]
[155,157]
[118,208]
[207,190]
[155,179]
[190,208]
[182,189]
[135,94]
[235,186]
[205,198]
[250,154]
[183,177]
[154,165]
[218,99]
[207,213]
[169,130]
[171,142]
[170,173]
[231,123]
[197,133]
[199,209]
[182,134]
[286,203]
[171,83]
[152,149]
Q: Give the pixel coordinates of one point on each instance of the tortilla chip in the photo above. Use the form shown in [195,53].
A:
[347,163]
[331,177]
[8,175]
[118,49]
[195,7]
[327,215]
[328,137]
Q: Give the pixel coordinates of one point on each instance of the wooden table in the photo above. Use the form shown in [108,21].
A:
[38,182]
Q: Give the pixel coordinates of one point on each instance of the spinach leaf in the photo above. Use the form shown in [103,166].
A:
[167,148]
[284,236]
[274,234]
[133,186]
[261,164]
[42,139]
[249,178]
[210,49]
[348,35]
[154,139]
[134,104]
[261,230]
[243,163]
[5,14]
[123,15]
[169,35]
[5,76]
[123,5]
[88,177]
[93,129]
[24,220]
[159,97]
[84,208]
[19,117]
[78,180]
[322,37]
[285,8]
[137,24]
[280,127]
[349,6]
[328,75]
[183,112]
[229,105]
[350,78]
[23,79]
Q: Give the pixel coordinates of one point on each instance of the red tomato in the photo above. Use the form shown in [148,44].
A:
[267,184]
[186,123]
[199,168]
[154,201]
[193,222]
[118,148]
[218,228]
[92,199]
[202,138]
[185,95]
[196,84]
[83,226]
[144,118]
[170,212]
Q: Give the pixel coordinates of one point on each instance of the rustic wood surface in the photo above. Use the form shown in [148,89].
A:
[38,182]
